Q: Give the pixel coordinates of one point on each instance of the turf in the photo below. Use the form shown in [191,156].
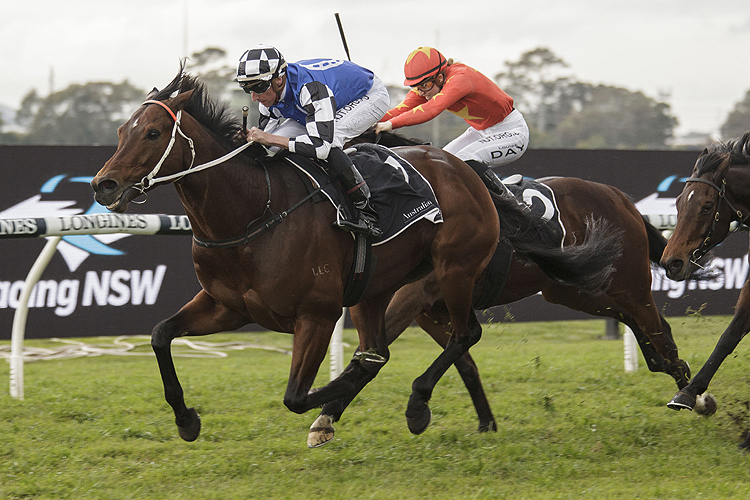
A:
[572,424]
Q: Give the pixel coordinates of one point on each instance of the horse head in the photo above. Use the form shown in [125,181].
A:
[148,142]
[709,202]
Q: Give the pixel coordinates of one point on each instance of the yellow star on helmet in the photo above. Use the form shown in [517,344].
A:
[425,50]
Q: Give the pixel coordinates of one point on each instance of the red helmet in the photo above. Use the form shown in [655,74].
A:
[423,63]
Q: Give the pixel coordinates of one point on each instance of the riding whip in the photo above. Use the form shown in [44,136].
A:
[343,37]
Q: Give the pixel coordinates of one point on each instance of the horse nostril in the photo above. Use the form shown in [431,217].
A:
[104,186]
[675,265]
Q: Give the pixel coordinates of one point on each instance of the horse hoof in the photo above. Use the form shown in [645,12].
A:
[680,401]
[321,431]
[705,404]
[489,426]
[190,430]
[418,423]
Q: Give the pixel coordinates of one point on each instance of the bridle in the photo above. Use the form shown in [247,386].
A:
[150,179]
[254,228]
[707,243]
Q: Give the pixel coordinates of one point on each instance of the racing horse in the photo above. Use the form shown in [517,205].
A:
[265,254]
[628,298]
[716,194]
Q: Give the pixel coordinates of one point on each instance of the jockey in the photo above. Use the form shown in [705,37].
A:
[497,133]
[313,107]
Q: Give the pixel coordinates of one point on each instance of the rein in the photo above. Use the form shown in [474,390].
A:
[151,179]
[707,245]
[252,231]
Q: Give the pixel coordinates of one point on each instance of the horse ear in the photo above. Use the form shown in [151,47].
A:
[153,92]
[180,100]
[721,170]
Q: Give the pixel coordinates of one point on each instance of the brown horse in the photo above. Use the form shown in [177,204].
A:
[264,253]
[716,194]
[628,299]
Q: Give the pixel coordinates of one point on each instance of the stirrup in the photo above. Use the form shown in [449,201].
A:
[494,184]
[361,226]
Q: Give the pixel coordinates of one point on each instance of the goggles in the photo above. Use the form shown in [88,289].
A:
[425,85]
[255,86]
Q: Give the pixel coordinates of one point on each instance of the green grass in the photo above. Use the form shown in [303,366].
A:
[572,424]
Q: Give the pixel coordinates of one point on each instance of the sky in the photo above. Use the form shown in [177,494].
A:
[693,54]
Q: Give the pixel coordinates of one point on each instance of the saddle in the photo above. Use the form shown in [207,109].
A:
[398,192]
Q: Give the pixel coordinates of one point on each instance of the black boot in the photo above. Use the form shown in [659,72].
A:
[490,178]
[356,188]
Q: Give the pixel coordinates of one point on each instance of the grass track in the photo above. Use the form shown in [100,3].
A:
[572,424]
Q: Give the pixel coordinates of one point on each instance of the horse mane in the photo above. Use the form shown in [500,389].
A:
[738,151]
[216,117]
[387,139]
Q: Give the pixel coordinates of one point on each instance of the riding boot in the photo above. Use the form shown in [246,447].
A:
[490,178]
[356,188]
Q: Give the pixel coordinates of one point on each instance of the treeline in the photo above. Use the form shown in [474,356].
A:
[561,111]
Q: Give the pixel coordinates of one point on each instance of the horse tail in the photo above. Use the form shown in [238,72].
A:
[587,265]
[656,242]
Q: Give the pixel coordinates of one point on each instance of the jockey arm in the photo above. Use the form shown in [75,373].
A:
[416,109]
[319,103]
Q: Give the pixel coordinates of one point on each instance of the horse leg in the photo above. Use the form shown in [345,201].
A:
[737,329]
[201,316]
[436,324]
[660,351]
[653,332]
[640,314]
[407,303]
[310,348]
[371,355]
[418,414]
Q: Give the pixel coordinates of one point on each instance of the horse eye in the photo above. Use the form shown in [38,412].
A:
[153,134]
[707,209]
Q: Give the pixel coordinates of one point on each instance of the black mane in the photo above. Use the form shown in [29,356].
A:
[216,117]
[388,139]
[738,151]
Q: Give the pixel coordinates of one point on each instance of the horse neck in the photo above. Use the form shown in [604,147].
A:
[737,180]
[222,200]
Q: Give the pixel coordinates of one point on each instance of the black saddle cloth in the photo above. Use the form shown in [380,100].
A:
[399,193]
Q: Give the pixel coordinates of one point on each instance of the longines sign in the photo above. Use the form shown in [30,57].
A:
[122,284]
[107,283]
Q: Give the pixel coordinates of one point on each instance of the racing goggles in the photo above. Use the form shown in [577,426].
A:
[255,86]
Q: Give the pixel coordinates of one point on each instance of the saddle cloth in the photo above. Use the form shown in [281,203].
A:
[539,198]
[399,193]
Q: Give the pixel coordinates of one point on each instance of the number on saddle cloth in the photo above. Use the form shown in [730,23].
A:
[539,198]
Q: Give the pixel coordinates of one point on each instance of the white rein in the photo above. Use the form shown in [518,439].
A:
[151,178]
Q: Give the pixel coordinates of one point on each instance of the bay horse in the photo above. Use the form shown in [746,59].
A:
[628,298]
[716,194]
[257,236]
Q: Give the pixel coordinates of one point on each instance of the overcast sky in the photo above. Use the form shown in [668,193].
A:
[695,51]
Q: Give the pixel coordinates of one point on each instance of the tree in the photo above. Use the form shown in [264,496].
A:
[613,117]
[86,114]
[536,83]
[738,121]
[565,113]
[212,68]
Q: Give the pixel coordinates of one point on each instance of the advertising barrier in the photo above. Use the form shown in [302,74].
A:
[121,284]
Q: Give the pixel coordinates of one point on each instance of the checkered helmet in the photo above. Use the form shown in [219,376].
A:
[261,62]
